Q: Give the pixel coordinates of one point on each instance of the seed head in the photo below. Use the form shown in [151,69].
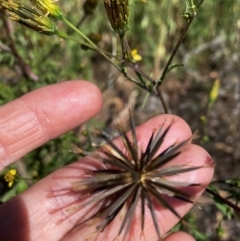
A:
[133,177]
[29,17]
[118,15]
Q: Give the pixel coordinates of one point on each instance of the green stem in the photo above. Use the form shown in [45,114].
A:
[143,86]
[123,48]
[175,50]
[78,31]
[126,51]
[89,42]
[66,36]
[80,22]
[139,72]
[164,104]
[129,61]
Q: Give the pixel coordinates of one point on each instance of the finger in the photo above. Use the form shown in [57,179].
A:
[28,122]
[179,236]
[56,215]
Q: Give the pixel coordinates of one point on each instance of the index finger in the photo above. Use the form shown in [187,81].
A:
[33,119]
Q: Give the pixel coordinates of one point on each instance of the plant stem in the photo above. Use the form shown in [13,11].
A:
[164,104]
[175,50]
[78,31]
[66,36]
[25,68]
[90,42]
[56,46]
[224,200]
[124,72]
[122,40]
[160,80]
[139,72]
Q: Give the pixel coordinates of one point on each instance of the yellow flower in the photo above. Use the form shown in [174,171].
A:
[49,8]
[10,177]
[30,17]
[136,57]
[215,90]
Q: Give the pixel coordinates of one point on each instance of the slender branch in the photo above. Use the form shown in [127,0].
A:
[26,70]
[66,36]
[200,3]
[124,72]
[82,20]
[164,104]
[5,48]
[138,71]
[175,50]
[122,43]
[90,42]
[224,200]
[129,61]
[128,58]
[69,32]
[78,31]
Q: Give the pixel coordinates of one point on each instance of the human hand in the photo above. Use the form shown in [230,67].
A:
[32,120]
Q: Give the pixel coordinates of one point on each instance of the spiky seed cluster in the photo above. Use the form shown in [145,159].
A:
[132,177]
[118,15]
[32,18]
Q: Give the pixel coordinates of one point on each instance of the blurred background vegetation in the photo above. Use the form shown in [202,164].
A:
[210,54]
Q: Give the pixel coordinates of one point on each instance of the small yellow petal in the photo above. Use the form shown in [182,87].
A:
[215,90]
[10,184]
[13,172]
[134,52]
[135,55]
[10,177]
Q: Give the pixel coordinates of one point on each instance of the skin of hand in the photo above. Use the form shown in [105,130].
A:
[41,115]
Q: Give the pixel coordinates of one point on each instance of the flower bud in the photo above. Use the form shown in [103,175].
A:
[48,7]
[29,17]
[118,15]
